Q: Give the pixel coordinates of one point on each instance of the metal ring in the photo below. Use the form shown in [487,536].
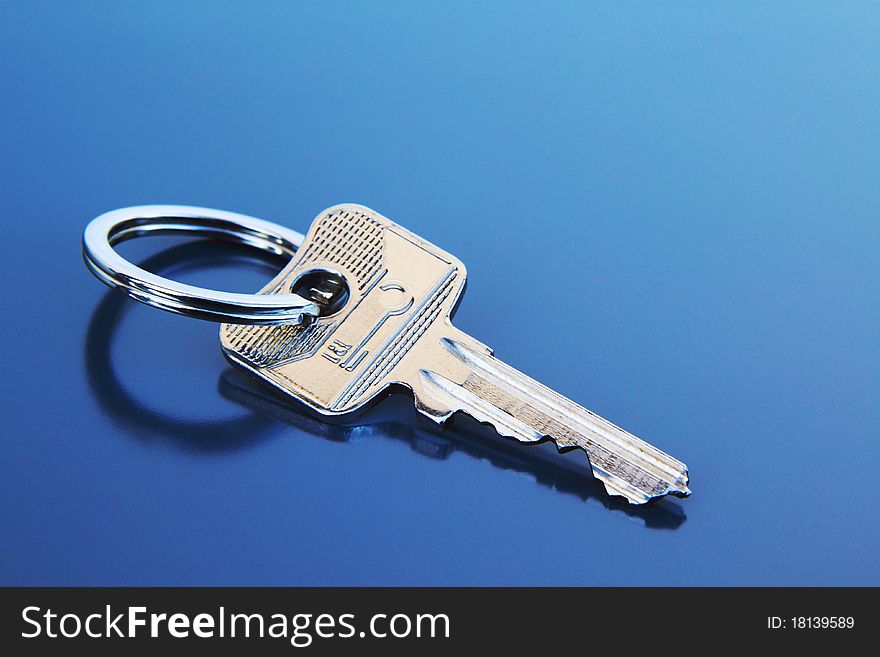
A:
[116,226]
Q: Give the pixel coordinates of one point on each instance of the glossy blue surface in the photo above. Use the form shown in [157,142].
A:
[689,193]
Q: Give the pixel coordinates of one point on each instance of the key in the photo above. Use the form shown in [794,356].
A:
[385,299]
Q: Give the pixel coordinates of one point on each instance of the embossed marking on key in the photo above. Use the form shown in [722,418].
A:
[394,330]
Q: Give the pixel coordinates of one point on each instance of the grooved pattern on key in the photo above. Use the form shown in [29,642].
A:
[350,239]
[269,345]
[564,436]
[402,341]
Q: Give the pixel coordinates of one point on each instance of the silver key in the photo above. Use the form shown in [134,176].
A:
[385,298]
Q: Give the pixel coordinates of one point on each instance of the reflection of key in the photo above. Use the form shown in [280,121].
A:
[386,297]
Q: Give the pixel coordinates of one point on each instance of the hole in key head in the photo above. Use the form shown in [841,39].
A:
[326,288]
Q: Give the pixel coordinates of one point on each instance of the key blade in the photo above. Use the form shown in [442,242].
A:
[519,407]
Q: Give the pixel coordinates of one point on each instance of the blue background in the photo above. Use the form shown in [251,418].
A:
[687,193]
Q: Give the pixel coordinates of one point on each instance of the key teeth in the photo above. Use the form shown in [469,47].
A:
[678,488]
[645,498]
[439,399]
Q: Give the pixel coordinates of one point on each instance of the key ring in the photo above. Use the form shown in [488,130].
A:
[116,226]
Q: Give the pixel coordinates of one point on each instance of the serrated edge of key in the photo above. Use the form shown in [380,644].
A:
[503,426]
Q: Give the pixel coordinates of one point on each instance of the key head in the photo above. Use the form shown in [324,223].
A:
[382,289]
